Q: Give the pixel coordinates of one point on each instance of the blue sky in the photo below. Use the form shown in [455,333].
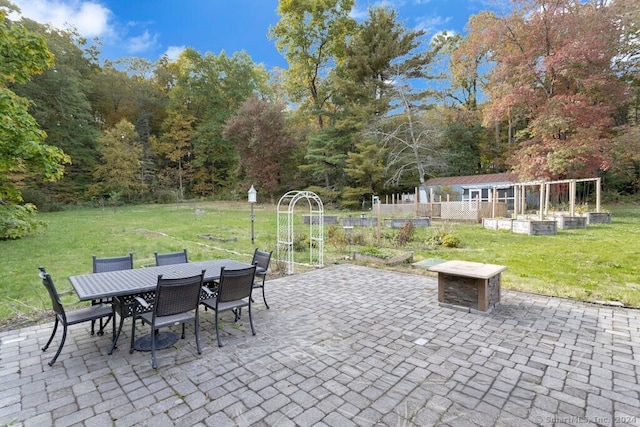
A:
[150,28]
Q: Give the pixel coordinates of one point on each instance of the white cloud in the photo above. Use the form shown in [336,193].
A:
[431,24]
[174,51]
[142,43]
[361,11]
[91,19]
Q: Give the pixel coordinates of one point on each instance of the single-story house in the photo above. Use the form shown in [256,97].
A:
[470,187]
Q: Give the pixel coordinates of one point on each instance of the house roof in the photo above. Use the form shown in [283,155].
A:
[492,178]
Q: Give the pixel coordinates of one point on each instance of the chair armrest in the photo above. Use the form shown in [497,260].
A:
[142,302]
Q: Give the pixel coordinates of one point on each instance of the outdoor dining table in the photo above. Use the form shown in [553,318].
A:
[124,286]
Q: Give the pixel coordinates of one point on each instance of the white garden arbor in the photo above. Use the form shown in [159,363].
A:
[287,224]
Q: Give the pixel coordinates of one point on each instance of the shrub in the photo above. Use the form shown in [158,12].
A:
[405,234]
[166,196]
[443,236]
[450,241]
[18,221]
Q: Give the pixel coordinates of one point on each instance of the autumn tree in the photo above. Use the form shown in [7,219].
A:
[119,173]
[209,89]
[552,72]
[174,149]
[263,143]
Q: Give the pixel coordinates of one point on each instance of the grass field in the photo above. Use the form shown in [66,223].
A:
[599,263]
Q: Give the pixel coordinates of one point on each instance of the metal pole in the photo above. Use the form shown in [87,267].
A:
[252,218]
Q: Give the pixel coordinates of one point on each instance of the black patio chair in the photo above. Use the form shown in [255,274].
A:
[172,258]
[176,302]
[233,292]
[70,317]
[261,260]
[102,265]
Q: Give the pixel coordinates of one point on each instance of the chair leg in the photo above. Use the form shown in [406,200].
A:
[217,330]
[183,331]
[116,335]
[133,334]
[55,328]
[154,365]
[197,327]
[113,325]
[103,324]
[251,321]
[264,298]
[64,337]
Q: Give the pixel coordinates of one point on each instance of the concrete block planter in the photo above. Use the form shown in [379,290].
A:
[399,222]
[359,222]
[598,218]
[497,223]
[568,222]
[534,227]
[326,219]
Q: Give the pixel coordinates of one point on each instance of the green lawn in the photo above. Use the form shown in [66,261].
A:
[594,264]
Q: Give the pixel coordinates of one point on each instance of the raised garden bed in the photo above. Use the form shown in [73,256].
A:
[598,217]
[497,223]
[326,219]
[568,222]
[534,227]
[400,222]
[359,222]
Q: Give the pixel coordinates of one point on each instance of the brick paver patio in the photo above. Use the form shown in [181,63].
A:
[344,346]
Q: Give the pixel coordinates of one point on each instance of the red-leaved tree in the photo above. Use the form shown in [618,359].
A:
[552,74]
[262,141]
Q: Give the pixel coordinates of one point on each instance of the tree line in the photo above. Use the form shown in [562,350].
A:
[549,90]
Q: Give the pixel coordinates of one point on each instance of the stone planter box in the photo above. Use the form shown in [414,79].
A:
[567,222]
[497,223]
[534,227]
[598,218]
[326,219]
[398,259]
[359,222]
[399,222]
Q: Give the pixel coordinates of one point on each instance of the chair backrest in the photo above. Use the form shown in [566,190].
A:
[236,284]
[171,258]
[261,259]
[101,265]
[177,295]
[53,293]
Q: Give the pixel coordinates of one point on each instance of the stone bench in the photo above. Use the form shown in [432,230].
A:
[472,285]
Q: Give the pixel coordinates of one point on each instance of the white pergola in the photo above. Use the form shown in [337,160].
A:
[285,249]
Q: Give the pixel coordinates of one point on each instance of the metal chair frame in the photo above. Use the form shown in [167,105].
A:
[176,302]
[70,317]
[171,258]
[261,260]
[102,265]
[232,293]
